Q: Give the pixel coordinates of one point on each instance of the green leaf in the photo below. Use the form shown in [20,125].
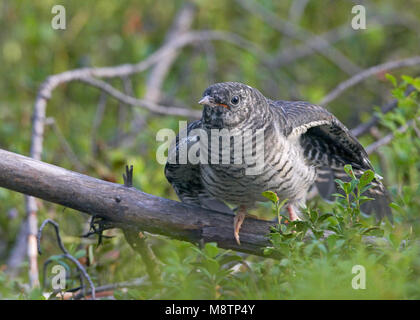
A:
[392,79]
[353,184]
[80,253]
[416,83]
[211,249]
[268,251]
[119,294]
[373,231]
[349,170]
[394,240]
[366,188]
[324,217]
[366,178]
[56,257]
[36,294]
[281,204]
[397,207]
[212,266]
[364,199]
[347,187]
[340,183]
[407,79]
[338,195]
[314,216]
[270,195]
[301,225]
[284,262]
[229,258]
[398,93]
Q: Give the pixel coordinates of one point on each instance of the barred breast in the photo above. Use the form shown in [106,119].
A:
[283,171]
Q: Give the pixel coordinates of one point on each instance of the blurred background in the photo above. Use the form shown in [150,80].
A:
[289,50]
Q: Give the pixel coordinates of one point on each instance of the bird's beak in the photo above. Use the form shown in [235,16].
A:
[207,100]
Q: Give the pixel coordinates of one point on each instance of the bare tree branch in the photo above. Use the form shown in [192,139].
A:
[293,31]
[19,250]
[180,26]
[149,105]
[126,207]
[366,74]
[388,138]
[288,55]
[365,127]
[97,120]
[138,242]
[129,208]
[32,224]
[297,9]
[128,69]
[122,108]
[113,286]
[78,165]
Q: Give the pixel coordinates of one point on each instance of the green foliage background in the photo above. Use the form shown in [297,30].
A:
[106,33]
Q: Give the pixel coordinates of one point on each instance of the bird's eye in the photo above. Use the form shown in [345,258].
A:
[234,100]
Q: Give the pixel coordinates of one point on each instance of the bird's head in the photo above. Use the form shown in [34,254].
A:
[230,104]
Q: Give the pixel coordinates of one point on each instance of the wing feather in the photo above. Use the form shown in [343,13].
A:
[329,146]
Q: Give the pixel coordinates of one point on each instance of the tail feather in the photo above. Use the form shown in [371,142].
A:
[380,204]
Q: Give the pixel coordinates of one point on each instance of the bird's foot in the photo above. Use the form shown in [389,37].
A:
[292,214]
[97,226]
[237,222]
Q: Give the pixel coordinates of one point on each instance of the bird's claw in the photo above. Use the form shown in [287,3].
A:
[237,223]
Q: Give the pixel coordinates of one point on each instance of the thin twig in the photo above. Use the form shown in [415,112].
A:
[65,145]
[149,105]
[128,176]
[19,250]
[113,286]
[365,127]
[388,138]
[99,114]
[333,94]
[288,55]
[122,108]
[32,224]
[158,73]
[65,252]
[181,24]
[297,8]
[138,242]
[293,31]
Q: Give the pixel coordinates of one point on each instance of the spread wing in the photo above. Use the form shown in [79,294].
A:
[329,145]
[185,177]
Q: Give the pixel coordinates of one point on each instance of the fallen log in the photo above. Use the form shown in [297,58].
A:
[127,207]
